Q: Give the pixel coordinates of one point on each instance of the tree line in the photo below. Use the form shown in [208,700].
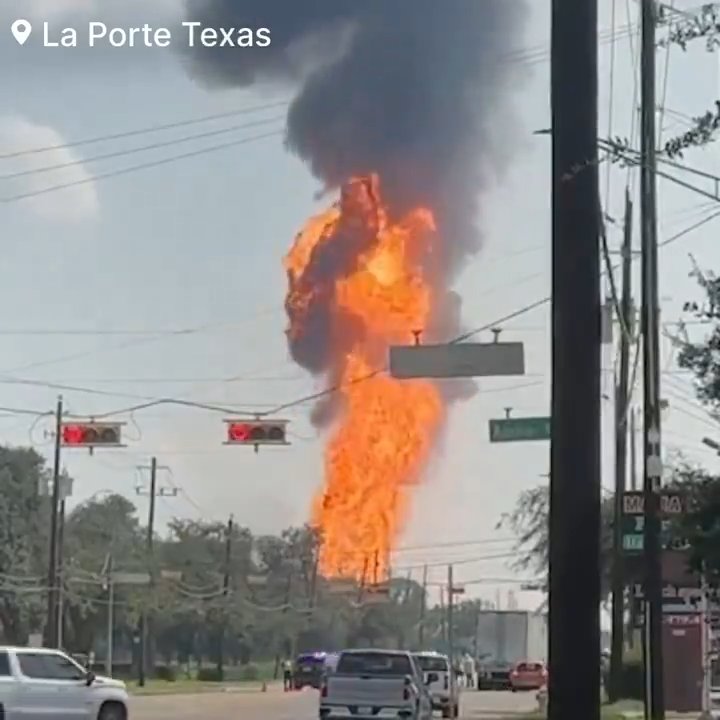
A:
[219,593]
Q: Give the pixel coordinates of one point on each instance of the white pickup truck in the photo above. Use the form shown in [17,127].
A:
[40,684]
[375,684]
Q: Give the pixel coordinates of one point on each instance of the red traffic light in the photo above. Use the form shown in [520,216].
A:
[256,432]
[91,434]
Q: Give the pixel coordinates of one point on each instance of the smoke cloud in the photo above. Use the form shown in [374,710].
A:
[415,90]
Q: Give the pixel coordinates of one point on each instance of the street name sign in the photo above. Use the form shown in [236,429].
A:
[520,429]
[458,360]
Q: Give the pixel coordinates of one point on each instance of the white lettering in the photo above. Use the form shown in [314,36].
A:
[263,37]
[96,31]
[191,27]
[68,37]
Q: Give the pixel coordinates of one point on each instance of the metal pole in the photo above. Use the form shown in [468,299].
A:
[622,406]
[574,528]
[423,609]
[110,619]
[51,629]
[651,368]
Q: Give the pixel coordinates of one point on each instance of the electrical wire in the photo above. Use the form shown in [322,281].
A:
[140,166]
[143,148]
[145,130]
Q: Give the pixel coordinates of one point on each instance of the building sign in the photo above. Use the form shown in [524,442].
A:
[672,504]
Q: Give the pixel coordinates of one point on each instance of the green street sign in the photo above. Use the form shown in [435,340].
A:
[520,429]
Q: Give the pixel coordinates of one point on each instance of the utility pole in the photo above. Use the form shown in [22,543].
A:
[146,619]
[622,409]
[652,454]
[423,609]
[51,629]
[633,451]
[226,592]
[110,618]
[60,605]
[451,597]
[574,527]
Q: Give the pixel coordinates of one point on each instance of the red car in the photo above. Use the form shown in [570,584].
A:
[528,676]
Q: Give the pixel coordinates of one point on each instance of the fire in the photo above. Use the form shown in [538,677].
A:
[362,274]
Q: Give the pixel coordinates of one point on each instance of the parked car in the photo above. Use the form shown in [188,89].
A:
[528,675]
[38,683]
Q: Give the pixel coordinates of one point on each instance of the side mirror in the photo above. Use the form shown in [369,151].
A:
[89,678]
[431,678]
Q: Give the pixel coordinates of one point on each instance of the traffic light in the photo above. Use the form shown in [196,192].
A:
[256,432]
[91,434]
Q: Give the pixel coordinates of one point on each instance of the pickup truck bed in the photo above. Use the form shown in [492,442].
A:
[375,684]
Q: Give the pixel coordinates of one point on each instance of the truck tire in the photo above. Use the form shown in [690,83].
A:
[112,711]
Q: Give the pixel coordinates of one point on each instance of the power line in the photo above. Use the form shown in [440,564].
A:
[144,130]
[142,148]
[140,166]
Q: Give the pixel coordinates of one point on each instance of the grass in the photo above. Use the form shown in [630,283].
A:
[190,685]
[608,712]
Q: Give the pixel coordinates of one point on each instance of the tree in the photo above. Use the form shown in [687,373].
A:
[95,532]
[529,523]
[23,542]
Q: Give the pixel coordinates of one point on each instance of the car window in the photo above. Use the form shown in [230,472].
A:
[45,666]
[4,664]
[432,664]
[375,664]
[529,667]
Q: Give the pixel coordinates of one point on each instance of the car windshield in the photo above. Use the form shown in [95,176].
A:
[432,664]
[374,663]
[310,660]
[529,667]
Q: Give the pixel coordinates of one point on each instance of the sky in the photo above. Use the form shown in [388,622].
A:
[132,284]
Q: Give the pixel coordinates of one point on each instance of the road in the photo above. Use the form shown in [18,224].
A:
[276,705]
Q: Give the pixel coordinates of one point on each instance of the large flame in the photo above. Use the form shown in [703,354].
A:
[365,275]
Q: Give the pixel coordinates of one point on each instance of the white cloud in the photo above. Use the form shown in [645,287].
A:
[76,203]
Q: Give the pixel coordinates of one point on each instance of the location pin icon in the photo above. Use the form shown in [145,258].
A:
[21,30]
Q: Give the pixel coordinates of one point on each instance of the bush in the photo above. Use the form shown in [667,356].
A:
[632,681]
[249,673]
[166,672]
[209,675]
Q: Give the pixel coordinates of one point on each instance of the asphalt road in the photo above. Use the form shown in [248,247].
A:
[275,705]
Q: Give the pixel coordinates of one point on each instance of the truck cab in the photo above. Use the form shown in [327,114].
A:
[45,684]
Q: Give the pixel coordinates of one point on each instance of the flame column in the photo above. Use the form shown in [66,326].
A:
[574,653]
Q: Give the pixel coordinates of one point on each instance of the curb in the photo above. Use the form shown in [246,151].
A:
[240,688]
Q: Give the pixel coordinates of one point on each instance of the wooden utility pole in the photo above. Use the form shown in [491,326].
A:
[450,619]
[146,619]
[574,527]
[652,476]
[51,629]
[622,410]
[423,610]
[226,592]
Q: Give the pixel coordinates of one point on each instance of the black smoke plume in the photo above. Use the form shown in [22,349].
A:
[415,90]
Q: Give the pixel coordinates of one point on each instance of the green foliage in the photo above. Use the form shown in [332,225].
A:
[166,673]
[250,672]
[209,675]
[529,523]
[196,619]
